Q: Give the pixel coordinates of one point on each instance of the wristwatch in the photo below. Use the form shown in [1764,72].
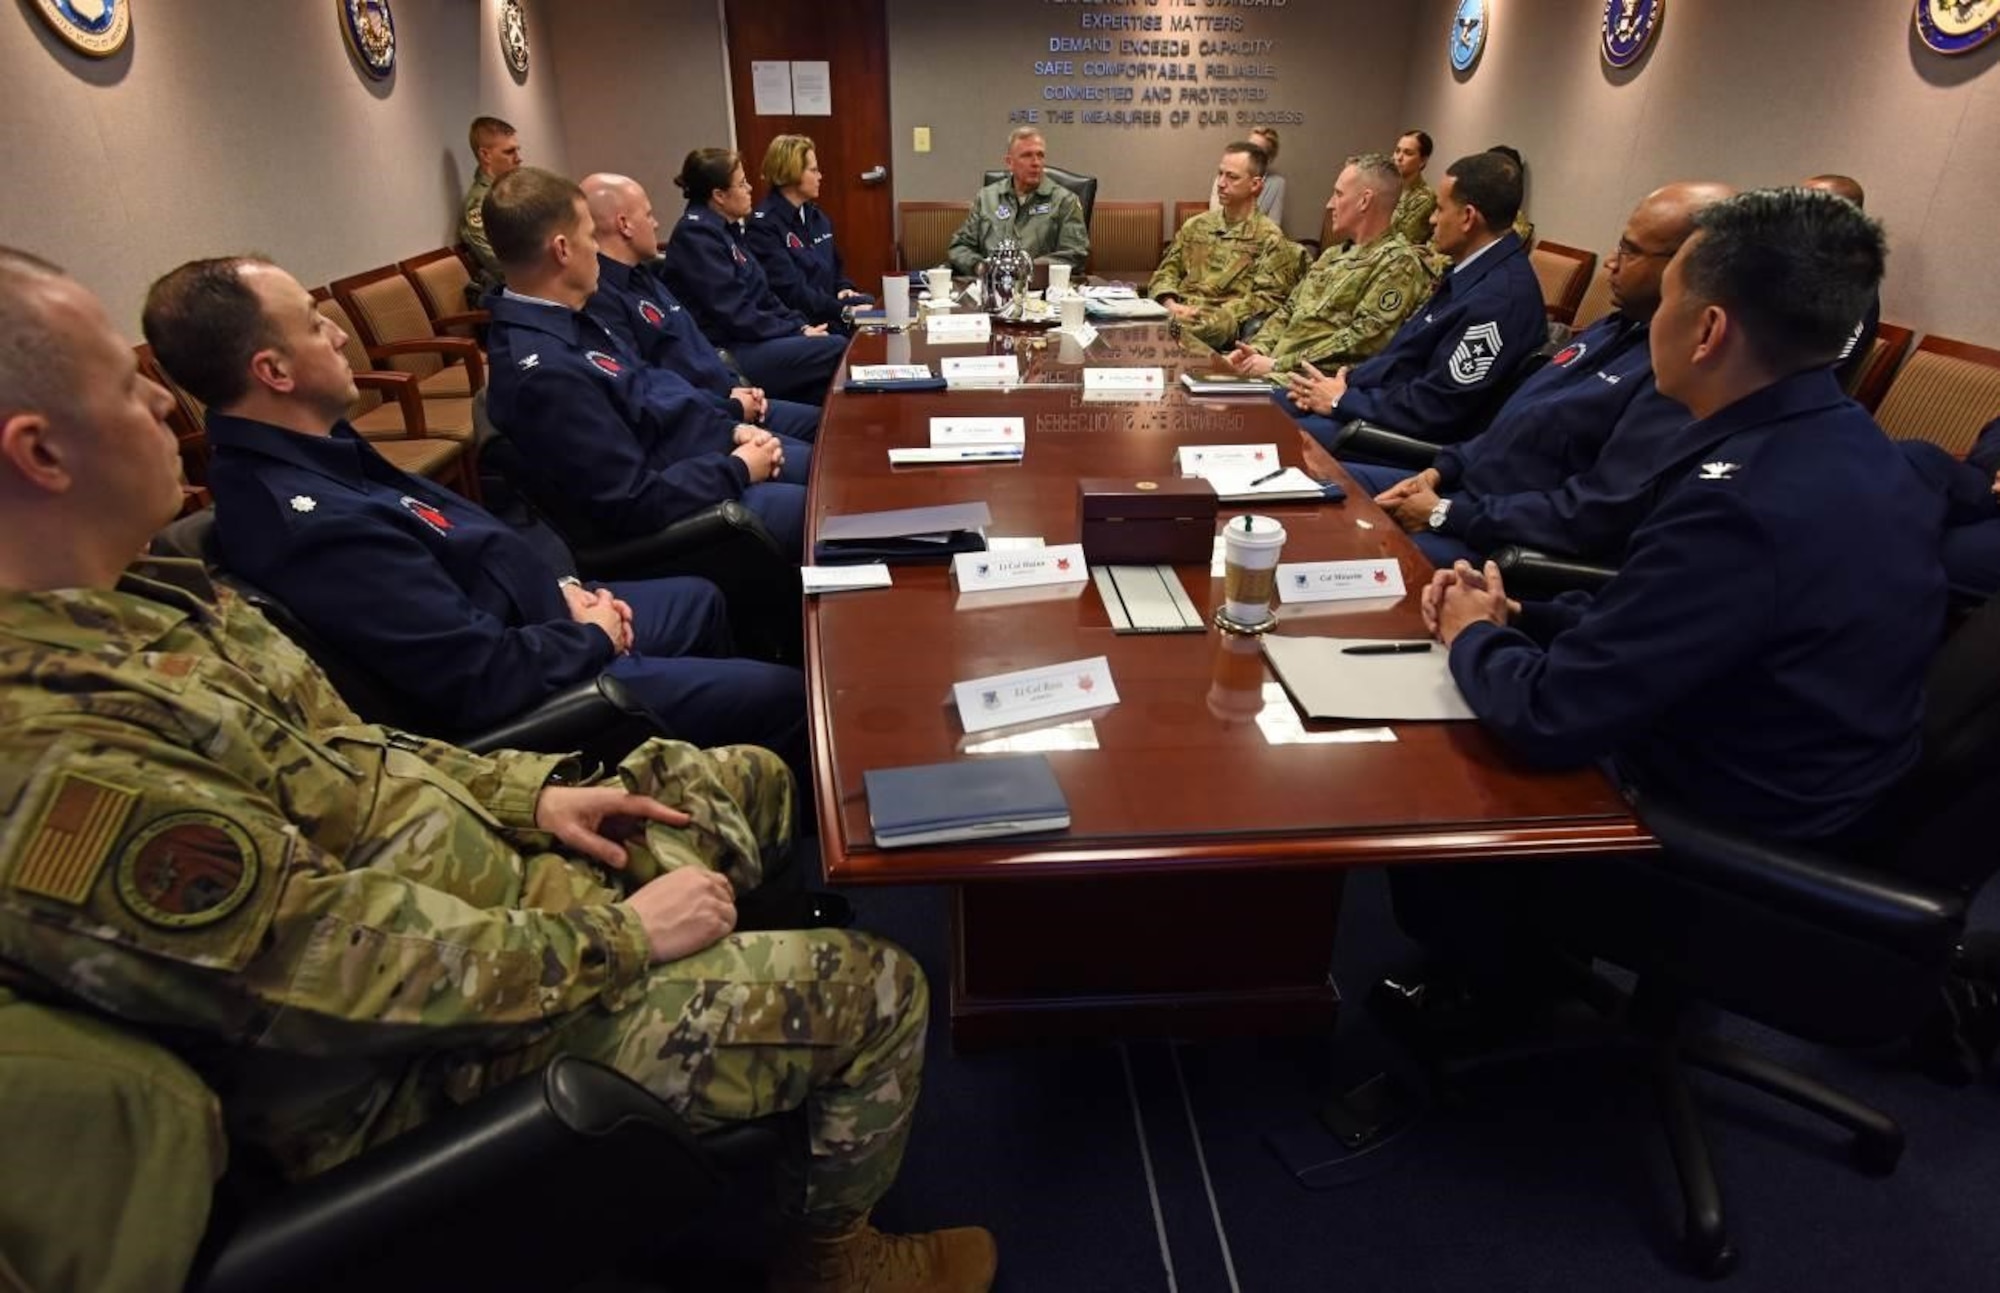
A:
[569,581]
[1438,513]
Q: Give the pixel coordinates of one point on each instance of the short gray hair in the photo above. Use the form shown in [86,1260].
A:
[1377,174]
[36,371]
[1025,132]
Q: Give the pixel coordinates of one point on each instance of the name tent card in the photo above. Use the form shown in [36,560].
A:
[954,329]
[889,372]
[1199,459]
[979,431]
[1333,581]
[1104,380]
[831,579]
[1029,695]
[981,370]
[1060,564]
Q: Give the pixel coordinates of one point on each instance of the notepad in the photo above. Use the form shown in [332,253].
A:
[974,799]
[1327,683]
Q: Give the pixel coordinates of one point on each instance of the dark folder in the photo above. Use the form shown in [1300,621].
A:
[978,798]
[907,535]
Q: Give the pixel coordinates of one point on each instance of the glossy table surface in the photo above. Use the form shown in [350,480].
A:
[1204,764]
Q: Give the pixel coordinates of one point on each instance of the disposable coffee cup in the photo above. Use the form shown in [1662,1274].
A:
[1072,314]
[896,299]
[939,282]
[1250,548]
[1058,281]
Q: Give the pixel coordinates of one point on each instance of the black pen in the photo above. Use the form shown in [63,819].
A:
[1386,648]
[1267,476]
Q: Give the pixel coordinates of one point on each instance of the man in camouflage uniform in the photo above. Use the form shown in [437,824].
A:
[1417,199]
[496,150]
[361,927]
[1229,265]
[1354,297]
[1042,217]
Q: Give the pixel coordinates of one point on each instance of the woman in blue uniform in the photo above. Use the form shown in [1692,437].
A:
[793,239]
[710,270]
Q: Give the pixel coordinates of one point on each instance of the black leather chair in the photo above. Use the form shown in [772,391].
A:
[1529,573]
[725,544]
[598,718]
[542,1184]
[1084,186]
[1833,950]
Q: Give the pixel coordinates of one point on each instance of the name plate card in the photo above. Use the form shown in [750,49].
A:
[1200,459]
[953,329]
[978,571]
[1007,699]
[1104,380]
[982,431]
[982,370]
[1334,581]
[864,373]
[829,579]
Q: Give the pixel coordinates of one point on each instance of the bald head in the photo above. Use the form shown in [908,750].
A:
[1841,186]
[1673,206]
[621,215]
[1663,220]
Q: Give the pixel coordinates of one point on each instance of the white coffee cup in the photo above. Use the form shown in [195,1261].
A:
[939,281]
[1072,314]
[1250,549]
[896,299]
[1058,281]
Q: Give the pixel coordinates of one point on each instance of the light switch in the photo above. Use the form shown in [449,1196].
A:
[922,140]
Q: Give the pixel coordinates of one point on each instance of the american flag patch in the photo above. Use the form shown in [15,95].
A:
[71,842]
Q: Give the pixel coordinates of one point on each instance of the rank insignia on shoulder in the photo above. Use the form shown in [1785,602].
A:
[1718,470]
[187,870]
[303,503]
[68,846]
[531,361]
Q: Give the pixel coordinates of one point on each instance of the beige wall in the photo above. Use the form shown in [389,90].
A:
[531,104]
[1755,94]
[641,83]
[960,67]
[225,128]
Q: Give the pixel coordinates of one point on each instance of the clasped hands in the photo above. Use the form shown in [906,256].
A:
[1460,597]
[752,401]
[683,911]
[762,452]
[597,606]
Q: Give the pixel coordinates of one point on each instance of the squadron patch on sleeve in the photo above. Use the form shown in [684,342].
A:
[69,844]
[187,870]
[1390,300]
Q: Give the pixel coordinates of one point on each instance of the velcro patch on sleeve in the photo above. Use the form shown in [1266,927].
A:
[72,840]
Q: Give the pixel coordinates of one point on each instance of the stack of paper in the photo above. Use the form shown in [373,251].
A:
[1227,384]
[1127,308]
[966,439]
[1364,678]
[1242,472]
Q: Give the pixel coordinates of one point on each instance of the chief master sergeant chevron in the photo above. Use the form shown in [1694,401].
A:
[198,837]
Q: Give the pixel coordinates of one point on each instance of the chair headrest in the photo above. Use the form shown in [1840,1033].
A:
[191,536]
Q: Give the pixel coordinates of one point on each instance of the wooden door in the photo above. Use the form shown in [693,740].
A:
[856,190]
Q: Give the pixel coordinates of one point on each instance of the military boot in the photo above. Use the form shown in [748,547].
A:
[861,1259]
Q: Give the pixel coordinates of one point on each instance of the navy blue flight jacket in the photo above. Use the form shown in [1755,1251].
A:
[796,249]
[708,267]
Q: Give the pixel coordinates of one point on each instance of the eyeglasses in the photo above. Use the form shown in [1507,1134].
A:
[1627,250]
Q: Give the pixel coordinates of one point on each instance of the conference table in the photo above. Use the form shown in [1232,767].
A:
[1198,886]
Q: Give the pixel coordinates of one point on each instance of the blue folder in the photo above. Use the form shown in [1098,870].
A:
[973,799]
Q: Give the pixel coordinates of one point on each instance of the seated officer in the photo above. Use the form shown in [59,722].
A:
[1415,198]
[496,149]
[793,239]
[1039,215]
[1356,295]
[1971,494]
[1229,265]
[476,627]
[346,930]
[709,268]
[1438,377]
[635,306]
[1571,461]
[625,445]
[1731,665]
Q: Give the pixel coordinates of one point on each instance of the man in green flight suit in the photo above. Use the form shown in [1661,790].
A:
[1417,199]
[1042,217]
[357,927]
[1229,265]
[1353,298]
[497,150]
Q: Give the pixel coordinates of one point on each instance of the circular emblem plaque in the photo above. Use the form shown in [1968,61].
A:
[514,36]
[94,27]
[1628,28]
[1957,26]
[371,34]
[1468,34]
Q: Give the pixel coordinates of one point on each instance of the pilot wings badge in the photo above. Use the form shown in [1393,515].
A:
[1477,350]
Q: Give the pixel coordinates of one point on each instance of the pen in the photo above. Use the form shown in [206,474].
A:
[1386,648]
[1271,475]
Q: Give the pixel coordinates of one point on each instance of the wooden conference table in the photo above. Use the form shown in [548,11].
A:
[1197,889]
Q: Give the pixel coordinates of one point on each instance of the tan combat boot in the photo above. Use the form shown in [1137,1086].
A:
[861,1259]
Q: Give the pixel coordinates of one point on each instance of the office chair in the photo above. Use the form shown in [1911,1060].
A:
[1835,951]
[1084,186]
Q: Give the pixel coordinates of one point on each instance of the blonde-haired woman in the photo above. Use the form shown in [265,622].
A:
[793,239]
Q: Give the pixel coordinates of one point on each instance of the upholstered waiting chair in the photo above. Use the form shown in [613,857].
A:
[1596,302]
[1871,380]
[1084,186]
[1944,392]
[1184,212]
[927,228]
[423,437]
[1125,239]
[441,278]
[397,330]
[1564,273]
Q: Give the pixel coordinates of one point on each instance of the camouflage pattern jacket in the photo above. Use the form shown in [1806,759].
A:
[1231,273]
[1412,218]
[1348,305]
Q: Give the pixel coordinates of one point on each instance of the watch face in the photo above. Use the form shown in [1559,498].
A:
[1628,28]
[1957,26]
[1468,34]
